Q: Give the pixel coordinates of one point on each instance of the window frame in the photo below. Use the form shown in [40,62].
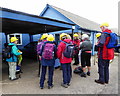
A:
[8,36]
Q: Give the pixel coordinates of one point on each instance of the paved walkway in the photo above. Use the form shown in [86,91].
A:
[29,83]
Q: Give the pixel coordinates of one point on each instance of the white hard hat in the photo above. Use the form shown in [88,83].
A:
[85,36]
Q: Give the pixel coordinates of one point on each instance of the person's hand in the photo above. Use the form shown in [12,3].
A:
[21,52]
[40,57]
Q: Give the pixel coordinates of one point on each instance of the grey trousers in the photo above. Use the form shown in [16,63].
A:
[12,70]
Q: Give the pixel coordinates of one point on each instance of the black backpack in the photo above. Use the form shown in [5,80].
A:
[8,52]
[78,70]
[69,50]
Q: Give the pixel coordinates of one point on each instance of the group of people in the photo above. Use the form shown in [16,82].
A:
[66,50]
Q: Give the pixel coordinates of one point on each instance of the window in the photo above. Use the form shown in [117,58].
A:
[18,36]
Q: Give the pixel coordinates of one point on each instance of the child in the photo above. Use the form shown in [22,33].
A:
[19,59]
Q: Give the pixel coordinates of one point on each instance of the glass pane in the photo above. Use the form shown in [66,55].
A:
[18,37]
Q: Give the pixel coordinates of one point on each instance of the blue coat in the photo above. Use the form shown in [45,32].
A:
[46,62]
[14,52]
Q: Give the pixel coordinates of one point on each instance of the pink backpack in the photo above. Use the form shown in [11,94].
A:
[48,51]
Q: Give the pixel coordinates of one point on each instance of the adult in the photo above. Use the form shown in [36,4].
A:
[41,41]
[65,62]
[48,56]
[85,48]
[76,43]
[104,55]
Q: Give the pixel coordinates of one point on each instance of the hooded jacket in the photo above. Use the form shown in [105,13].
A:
[103,51]
[60,50]
[14,52]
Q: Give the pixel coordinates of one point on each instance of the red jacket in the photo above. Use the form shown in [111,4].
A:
[107,54]
[61,48]
[76,42]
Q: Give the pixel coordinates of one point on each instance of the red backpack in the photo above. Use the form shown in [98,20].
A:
[48,51]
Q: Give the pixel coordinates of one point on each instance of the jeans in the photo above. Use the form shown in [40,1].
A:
[67,72]
[50,75]
[103,67]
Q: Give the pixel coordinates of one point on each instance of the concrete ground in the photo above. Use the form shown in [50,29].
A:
[29,83]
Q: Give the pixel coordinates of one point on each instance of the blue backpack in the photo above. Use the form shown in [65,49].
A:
[69,50]
[113,40]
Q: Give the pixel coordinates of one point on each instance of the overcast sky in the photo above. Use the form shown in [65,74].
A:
[98,11]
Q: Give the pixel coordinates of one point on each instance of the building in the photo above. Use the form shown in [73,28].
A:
[52,20]
[82,25]
[27,27]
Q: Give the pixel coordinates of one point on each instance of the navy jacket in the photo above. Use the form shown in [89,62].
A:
[46,62]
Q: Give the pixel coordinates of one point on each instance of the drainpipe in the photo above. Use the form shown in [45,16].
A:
[93,43]
[6,38]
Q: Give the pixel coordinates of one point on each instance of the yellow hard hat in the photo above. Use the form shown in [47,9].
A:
[68,36]
[44,36]
[98,35]
[63,34]
[75,35]
[13,39]
[104,24]
[50,38]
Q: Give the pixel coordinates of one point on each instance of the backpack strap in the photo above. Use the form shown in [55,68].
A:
[66,42]
[107,33]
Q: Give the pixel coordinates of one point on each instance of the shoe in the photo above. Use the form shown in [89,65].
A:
[68,84]
[83,75]
[57,67]
[64,85]
[107,82]
[88,73]
[75,64]
[14,79]
[41,87]
[49,87]
[99,82]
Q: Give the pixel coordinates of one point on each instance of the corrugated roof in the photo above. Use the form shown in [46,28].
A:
[82,22]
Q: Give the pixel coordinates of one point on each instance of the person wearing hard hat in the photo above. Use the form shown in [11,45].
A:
[98,35]
[12,61]
[48,56]
[104,55]
[65,61]
[39,47]
[76,43]
[63,36]
[85,48]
